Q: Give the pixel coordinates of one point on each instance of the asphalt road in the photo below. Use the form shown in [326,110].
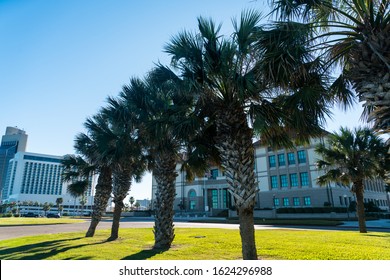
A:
[9,232]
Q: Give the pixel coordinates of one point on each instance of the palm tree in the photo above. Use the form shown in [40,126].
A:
[82,201]
[352,34]
[77,172]
[126,151]
[240,92]
[351,157]
[59,201]
[131,200]
[140,99]
[46,207]
[165,115]
[92,145]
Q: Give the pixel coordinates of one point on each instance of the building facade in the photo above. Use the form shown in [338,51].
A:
[34,178]
[37,178]
[14,140]
[285,178]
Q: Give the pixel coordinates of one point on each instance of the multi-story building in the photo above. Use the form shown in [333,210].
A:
[285,178]
[14,140]
[37,177]
[32,177]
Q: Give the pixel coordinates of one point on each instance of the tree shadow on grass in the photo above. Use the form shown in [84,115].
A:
[42,250]
[378,235]
[145,254]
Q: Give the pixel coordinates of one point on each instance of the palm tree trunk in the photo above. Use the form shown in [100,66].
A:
[376,95]
[235,145]
[122,183]
[358,186]
[165,175]
[115,220]
[247,233]
[102,195]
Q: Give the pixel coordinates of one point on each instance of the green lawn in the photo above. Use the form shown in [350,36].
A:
[37,221]
[201,244]
[259,221]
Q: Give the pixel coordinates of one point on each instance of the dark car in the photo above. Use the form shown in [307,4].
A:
[51,215]
[31,214]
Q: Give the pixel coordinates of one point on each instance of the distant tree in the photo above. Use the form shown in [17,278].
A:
[46,207]
[351,157]
[83,201]
[137,205]
[131,200]
[59,201]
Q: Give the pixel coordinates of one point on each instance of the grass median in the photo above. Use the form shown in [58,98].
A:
[20,221]
[201,244]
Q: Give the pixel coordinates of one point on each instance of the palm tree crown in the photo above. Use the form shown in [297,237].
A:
[353,34]
[350,157]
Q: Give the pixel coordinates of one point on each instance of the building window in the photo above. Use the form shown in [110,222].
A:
[276,202]
[286,201]
[283,181]
[304,176]
[296,201]
[191,194]
[272,161]
[274,182]
[225,198]
[301,156]
[192,204]
[294,180]
[307,201]
[281,160]
[291,158]
[214,199]
[214,173]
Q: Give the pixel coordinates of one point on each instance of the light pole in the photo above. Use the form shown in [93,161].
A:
[274,205]
[346,205]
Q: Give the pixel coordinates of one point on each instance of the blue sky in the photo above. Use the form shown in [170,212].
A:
[59,60]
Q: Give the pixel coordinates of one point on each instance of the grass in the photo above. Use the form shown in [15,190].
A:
[297,222]
[201,244]
[37,221]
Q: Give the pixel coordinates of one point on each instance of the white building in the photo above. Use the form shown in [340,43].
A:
[37,178]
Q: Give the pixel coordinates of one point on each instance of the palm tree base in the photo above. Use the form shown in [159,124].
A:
[92,228]
[112,238]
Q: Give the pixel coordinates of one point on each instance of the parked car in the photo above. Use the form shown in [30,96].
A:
[51,215]
[30,214]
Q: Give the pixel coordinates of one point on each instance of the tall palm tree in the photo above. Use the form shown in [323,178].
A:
[352,34]
[351,157]
[242,97]
[92,145]
[126,150]
[163,111]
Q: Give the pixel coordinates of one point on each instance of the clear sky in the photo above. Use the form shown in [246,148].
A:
[59,60]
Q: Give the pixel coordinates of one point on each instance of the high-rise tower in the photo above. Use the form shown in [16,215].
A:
[14,140]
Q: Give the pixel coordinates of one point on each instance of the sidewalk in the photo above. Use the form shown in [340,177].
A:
[382,223]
